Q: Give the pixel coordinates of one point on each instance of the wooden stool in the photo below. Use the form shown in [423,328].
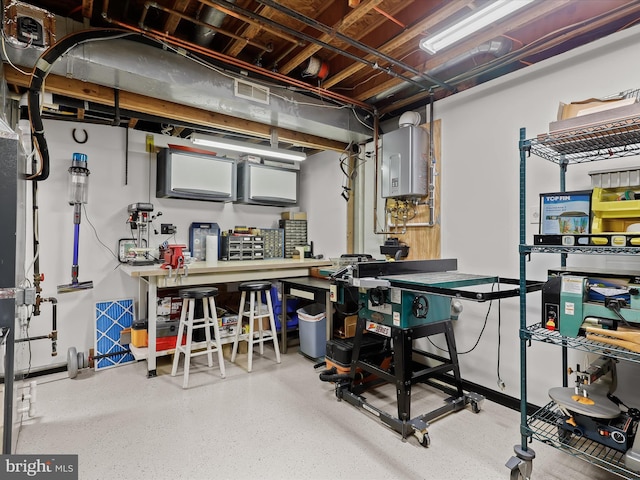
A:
[210,319]
[256,313]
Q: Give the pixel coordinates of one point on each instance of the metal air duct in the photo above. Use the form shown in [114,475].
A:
[497,48]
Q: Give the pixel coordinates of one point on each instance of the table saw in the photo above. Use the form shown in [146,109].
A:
[399,302]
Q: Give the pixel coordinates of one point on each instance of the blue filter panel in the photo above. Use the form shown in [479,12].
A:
[111,318]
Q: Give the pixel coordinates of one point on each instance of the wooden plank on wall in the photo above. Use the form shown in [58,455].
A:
[424,242]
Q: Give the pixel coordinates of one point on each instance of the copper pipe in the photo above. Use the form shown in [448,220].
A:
[253,22]
[163,37]
[385,14]
[147,5]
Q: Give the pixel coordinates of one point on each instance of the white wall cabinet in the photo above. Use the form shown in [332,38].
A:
[267,184]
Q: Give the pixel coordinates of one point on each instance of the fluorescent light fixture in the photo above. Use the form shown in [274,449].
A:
[250,148]
[465,27]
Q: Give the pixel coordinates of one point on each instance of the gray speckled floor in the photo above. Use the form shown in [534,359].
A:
[278,422]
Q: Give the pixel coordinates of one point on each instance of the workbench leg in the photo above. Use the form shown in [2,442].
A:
[283,324]
[151,326]
[402,358]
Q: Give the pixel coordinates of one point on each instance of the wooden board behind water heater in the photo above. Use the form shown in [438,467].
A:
[424,242]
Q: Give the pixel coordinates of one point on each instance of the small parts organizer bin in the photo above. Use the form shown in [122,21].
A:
[615,201]
[242,247]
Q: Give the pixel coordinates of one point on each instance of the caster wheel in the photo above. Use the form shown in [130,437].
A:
[426,441]
[475,407]
[72,362]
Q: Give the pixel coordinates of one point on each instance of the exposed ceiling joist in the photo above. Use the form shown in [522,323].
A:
[172,21]
[409,35]
[524,18]
[343,27]
[369,47]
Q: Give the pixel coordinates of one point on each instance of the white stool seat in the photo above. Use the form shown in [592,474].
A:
[256,312]
[208,321]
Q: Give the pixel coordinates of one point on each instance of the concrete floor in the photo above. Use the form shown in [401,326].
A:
[277,422]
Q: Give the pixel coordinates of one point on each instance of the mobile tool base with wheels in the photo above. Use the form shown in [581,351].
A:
[404,374]
[417,426]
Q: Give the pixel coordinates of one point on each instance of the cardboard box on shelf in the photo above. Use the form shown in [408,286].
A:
[293,215]
[169,306]
[347,327]
[589,106]
[616,114]
[125,336]
[227,320]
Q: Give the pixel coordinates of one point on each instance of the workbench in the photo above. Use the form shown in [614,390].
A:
[153,278]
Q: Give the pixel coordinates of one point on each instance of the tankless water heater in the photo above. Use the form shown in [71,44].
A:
[404,162]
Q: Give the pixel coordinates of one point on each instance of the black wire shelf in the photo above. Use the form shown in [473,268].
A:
[591,250]
[543,426]
[611,139]
[538,333]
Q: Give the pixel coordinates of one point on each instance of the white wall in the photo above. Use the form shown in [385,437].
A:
[480,198]
[480,193]
[320,189]
[106,212]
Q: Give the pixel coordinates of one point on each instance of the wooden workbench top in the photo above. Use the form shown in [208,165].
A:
[225,266]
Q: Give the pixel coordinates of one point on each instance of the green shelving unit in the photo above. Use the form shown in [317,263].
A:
[604,141]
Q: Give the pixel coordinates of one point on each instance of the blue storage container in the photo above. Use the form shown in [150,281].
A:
[292,306]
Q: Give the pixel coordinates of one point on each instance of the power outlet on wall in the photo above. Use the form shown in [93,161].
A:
[167,229]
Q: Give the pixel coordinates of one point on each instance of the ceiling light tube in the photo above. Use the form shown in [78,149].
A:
[465,27]
[249,148]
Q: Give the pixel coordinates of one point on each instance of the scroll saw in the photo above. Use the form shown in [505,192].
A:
[590,410]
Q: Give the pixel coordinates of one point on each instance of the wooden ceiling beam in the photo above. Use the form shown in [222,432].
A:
[250,31]
[172,22]
[171,111]
[398,41]
[341,27]
[372,29]
[525,18]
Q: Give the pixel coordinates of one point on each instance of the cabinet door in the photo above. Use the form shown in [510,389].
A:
[268,185]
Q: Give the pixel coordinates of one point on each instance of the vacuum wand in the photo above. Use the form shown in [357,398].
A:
[78,195]
[77,209]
